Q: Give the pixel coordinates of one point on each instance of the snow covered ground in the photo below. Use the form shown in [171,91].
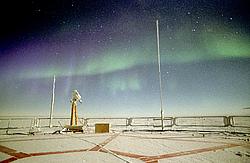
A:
[118,147]
[130,140]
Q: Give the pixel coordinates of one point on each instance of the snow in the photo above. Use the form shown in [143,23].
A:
[208,157]
[198,145]
[87,157]
[4,156]
[139,143]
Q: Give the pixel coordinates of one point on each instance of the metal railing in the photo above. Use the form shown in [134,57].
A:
[132,122]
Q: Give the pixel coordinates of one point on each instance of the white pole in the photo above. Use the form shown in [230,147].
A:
[52,102]
[159,71]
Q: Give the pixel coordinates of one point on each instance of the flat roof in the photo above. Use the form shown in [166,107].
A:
[148,147]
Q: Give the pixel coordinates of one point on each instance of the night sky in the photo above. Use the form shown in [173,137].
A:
[107,51]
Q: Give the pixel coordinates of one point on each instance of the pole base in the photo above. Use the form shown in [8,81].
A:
[74,128]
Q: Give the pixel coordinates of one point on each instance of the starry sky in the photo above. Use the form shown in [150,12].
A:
[107,51]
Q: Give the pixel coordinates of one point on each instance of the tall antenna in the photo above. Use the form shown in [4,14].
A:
[52,101]
[159,71]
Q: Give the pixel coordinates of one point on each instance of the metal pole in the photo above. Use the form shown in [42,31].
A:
[52,102]
[159,70]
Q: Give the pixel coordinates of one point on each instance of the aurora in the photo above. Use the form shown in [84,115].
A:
[107,51]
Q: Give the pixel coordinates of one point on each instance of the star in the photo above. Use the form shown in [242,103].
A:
[102,47]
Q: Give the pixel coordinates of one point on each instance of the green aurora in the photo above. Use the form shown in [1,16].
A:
[186,48]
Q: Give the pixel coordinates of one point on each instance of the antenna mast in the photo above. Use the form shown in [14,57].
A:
[52,102]
[159,71]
